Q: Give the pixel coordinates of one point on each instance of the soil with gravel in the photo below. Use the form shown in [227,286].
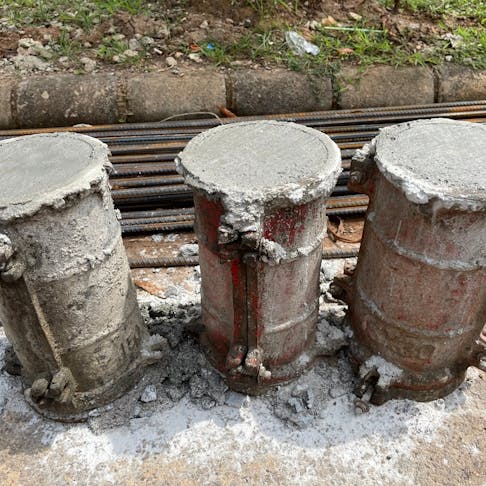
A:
[172,36]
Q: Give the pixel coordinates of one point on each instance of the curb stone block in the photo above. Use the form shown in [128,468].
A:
[67,99]
[385,86]
[278,91]
[460,83]
[6,86]
[153,97]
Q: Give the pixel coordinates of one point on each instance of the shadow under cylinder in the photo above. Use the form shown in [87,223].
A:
[417,299]
[259,194]
[67,302]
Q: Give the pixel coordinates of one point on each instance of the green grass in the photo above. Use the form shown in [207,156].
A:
[265,8]
[76,13]
[360,45]
[474,9]
[471,51]
[66,47]
[361,42]
[112,47]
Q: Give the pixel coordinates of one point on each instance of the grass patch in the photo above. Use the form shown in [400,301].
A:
[115,49]
[265,8]
[364,46]
[76,13]
[475,10]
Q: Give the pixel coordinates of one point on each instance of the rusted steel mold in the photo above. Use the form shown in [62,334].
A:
[417,299]
[259,193]
[67,302]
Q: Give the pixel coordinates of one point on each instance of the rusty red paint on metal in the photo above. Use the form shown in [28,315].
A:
[251,306]
[418,296]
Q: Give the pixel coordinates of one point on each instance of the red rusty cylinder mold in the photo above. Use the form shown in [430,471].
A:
[259,192]
[67,302]
[417,298]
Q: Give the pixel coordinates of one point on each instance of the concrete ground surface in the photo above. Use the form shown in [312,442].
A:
[182,426]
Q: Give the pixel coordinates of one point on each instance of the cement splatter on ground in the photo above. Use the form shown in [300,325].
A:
[190,429]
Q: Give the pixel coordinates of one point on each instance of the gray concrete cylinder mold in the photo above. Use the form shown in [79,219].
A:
[67,302]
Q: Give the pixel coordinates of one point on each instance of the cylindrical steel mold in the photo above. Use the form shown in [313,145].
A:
[417,301]
[259,192]
[67,302]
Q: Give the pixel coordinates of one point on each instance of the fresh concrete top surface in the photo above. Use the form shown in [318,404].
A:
[440,158]
[259,156]
[39,169]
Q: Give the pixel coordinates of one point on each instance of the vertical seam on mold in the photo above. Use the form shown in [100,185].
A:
[122,98]
[436,77]
[230,101]
[13,103]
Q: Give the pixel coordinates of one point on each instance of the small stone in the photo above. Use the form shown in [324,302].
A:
[295,404]
[328,21]
[193,56]
[30,63]
[189,250]
[312,25]
[134,45]
[88,64]
[171,292]
[204,25]
[130,53]
[39,388]
[149,394]
[329,339]
[448,58]
[355,16]
[170,61]
[146,41]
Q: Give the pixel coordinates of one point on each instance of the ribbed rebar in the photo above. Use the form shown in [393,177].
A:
[165,262]
[451,109]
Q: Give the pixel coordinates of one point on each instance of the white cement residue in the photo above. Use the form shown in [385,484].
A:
[306,432]
[387,371]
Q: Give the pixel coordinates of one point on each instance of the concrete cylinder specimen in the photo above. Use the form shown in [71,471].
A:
[418,294]
[67,302]
[259,193]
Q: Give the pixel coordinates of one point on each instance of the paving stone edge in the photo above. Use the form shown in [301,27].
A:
[67,99]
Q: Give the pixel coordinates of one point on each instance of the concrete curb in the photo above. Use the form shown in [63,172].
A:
[67,99]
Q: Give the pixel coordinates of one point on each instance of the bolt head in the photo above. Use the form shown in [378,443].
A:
[356,177]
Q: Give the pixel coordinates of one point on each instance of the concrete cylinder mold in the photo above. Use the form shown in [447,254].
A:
[417,297]
[259,191]
[67,302]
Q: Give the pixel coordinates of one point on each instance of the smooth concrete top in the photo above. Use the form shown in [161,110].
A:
[40,170]
[255,165]
[437,159]
[259,156]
